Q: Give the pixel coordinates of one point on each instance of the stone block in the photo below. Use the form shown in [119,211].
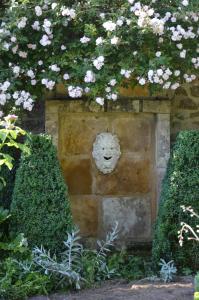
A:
[53,106]
[85,214]
[185,103]
[78,132]
[157,106]
[134,92]
[162,140]
[134,132]
[181,91]
[133,215]
[130,176]
[124,105]
[159,177]
[77,173]
[195,90]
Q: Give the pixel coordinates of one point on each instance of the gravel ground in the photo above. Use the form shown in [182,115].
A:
[139,290]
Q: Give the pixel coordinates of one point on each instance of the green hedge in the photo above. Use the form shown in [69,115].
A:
[40,206]
[9,177]
[180,187]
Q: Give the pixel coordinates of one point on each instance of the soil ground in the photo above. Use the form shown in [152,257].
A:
[182,289]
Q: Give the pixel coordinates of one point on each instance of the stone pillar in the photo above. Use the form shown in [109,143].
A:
[162,149]
[52,120]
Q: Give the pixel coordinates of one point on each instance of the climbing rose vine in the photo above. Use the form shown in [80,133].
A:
[95,47]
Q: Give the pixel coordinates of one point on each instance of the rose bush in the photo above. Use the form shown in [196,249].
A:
[94,47]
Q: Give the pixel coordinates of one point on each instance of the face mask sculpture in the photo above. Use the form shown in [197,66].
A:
[106,152]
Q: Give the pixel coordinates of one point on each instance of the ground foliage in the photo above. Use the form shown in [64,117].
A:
[180,187]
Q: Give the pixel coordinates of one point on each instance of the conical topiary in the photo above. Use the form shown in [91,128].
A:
[180,187]
[40,206]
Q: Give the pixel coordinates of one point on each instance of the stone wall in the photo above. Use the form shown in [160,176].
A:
[130,193]
[185,110]
[144,127]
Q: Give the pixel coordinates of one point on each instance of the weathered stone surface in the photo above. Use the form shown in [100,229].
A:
[76,127]
[181,91]
[85,214]
[136,91]
[78,132]
[131,176]
[162,140]
[124,105]
[77,173]
[134,132]
[53,106]
[187,103]
[195,115]
[195,90]
[133,215]
[160,173]
[156,106]
[34,120]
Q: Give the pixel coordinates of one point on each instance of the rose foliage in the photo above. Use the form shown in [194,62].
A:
[95,47]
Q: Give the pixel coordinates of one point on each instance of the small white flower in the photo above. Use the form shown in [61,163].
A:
[108,89]
[23,54]
[158,54]
[89,77]
[36,26]
[109,26]
[99,41]
[2,99]
[38,11]
[179,46]
[16,70]
[185,2]
[54,68]
[175,86]
[112,82]
[63,47]
[167,85]
[142,81]
[69,13]
[183,53]
[45,40]
[114,97]
[66,76]
[13,39]
[159,72]
[120,22]
[98,62]
[33,82]
[87,90]
[177,73]
[75,92]
[30,74]
[85,40]
[102,16]
[14,49]
[114,40]
[22,23]
[40,62]
[53,5]
[100,100]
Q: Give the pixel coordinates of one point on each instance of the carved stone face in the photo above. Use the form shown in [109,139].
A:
[106,152]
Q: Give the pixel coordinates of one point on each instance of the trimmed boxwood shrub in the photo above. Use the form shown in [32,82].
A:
[180,187]
[9,177]
[40,205]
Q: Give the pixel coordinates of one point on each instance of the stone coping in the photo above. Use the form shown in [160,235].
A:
[138,106]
